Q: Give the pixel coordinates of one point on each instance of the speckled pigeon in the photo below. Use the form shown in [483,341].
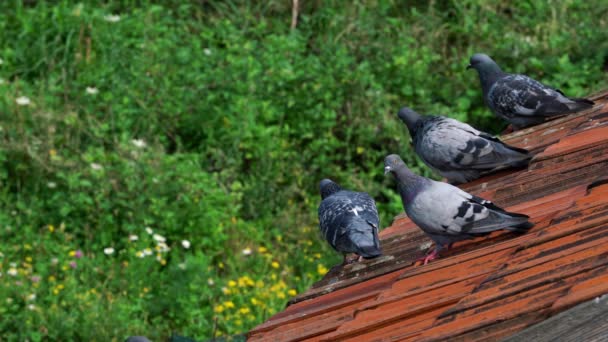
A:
[349,221]
[518,98]
[446,213]
[458,151]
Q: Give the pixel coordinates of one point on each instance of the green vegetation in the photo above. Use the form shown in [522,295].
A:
[160,162]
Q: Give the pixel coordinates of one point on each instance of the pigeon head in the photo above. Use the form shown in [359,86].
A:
[482,63]
[328,188]
[409,117]
[393,163]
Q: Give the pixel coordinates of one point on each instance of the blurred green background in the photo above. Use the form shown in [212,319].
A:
[160,159]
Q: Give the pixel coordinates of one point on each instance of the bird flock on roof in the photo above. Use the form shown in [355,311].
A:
[349,220]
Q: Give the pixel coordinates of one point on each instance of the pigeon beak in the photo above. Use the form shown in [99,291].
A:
[469,66]
[387,169]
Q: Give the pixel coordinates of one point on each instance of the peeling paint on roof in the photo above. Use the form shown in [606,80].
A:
[488,288]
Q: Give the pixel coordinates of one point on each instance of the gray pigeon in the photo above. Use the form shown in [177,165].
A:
[446,213]
[458,151]
[519,99]
[349,221]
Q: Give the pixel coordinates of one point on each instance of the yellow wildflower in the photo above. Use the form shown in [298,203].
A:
[279,238]
[226,291]
[259,284]
[125,263]
[145,289]
[27,246]
[229,305]
[163,262]
[220,265]
[218,308]
[262,249]
[317,255]
[254,301]
[321,269]
[52,278]
[275,264]
[273,276]
[238,322]
[232,283]
[52,152]
[244,311]
[292,292]
[28,259]
[51,228]
[65,267]
[72,253]
[60,286]
[281,295]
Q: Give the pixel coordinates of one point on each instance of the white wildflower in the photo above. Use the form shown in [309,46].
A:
[162,247]
[112,18]
[9,300]
[2,81]
[139,143]
[186,244]
[23,101]
[247,251]
[108,250]
[133,237]
[92,90]
[147,251]
[31,296]
[149,230]
[159,238]
[12,271]
[54,261]
[182,266]
[51,185]
[210,282]
[96,166]
[207,52]
[1,61]
[13,264]
[32,307]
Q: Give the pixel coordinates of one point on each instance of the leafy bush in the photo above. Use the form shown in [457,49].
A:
[160,162]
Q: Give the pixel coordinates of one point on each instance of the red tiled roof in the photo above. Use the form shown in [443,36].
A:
[487,288]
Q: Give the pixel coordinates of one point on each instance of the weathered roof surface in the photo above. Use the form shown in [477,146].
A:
[491,287]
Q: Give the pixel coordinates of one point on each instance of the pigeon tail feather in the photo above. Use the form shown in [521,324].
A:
[580,104]
[522,227]
[363,239]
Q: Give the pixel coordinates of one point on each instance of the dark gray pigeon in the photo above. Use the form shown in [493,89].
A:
[458,151]
[519,99]
[446,213]
[349,221]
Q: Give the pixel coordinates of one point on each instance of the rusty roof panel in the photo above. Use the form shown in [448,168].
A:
[488,288]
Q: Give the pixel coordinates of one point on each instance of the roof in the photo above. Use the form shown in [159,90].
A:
[490,287]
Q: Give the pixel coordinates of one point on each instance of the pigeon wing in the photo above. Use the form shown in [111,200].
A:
[520,95]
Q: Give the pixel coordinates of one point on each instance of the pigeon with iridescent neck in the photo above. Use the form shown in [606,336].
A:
[447,214]
[458,151]
[519,99]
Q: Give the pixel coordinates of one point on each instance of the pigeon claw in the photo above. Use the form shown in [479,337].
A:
[427,258]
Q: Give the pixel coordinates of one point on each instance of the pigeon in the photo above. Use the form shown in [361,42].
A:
[349,221]
[458,151]
[519,99]
[446,213]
